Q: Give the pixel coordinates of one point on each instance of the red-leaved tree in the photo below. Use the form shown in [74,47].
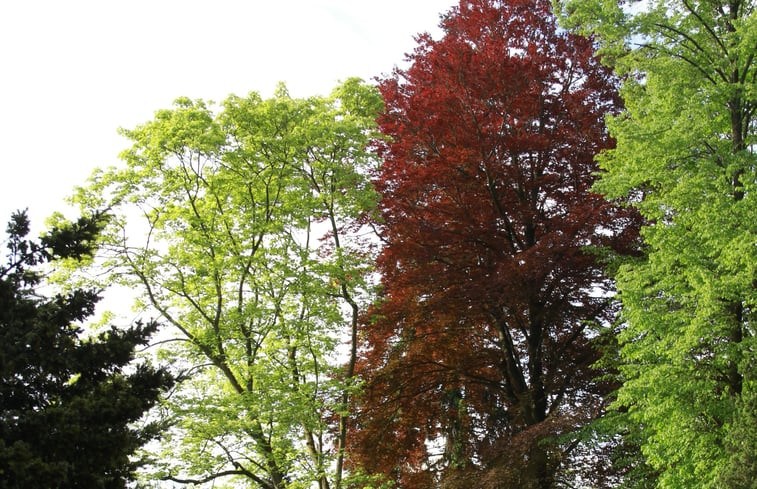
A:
[479,359]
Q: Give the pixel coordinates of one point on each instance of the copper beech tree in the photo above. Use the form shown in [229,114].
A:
[478,363]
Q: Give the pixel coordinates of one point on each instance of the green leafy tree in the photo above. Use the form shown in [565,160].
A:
[68,405]
[685,157]
[249,247]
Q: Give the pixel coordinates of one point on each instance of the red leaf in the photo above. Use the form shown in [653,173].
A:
[480,343]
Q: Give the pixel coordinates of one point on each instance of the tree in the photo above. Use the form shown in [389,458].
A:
[685,158]
[68,404]
[478,361]
[249,248]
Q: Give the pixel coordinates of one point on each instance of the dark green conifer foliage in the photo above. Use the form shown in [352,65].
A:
[67,404]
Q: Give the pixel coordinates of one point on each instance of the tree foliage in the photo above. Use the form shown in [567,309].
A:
[478,361]
[685,157]
[250,249]
[68,404]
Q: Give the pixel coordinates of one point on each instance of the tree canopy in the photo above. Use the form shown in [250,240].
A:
[685,157]
[69,404]
[527,259]
[249,248]
[478,360]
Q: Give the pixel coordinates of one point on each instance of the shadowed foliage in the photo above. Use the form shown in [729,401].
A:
[67,404]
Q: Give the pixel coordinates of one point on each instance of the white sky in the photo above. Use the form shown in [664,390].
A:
[73,71]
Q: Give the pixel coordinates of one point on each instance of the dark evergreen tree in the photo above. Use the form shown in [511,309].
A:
[68,404]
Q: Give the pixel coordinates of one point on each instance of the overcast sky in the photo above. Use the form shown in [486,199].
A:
[72,72]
